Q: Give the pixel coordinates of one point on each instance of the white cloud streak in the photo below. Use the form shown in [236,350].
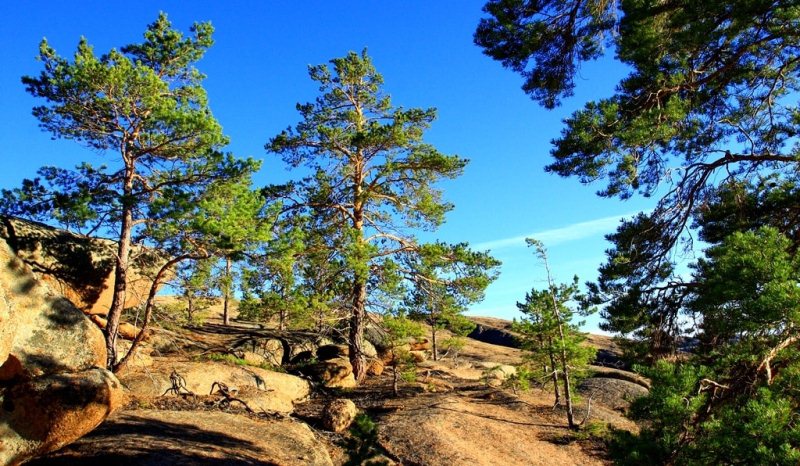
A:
[556,236]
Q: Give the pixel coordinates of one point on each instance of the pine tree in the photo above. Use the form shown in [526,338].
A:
[144,108]
[550,336]
[373,178]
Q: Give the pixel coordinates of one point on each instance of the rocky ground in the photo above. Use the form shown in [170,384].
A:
[456,412]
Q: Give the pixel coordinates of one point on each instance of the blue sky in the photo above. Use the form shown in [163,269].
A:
[257,72]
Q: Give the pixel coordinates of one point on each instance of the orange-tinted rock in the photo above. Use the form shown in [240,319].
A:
[375,367]
[46,413]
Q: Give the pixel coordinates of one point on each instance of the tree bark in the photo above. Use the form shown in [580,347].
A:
[554,373]
[226,295]
[121,267]
[190,307]
[357,331]
[433,343]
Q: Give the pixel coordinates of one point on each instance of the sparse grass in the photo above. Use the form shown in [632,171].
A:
[595,430]
[231,359]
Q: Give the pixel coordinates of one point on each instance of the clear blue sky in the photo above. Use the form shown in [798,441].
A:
[257,72]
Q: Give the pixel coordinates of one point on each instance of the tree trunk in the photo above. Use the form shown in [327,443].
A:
[554,373]
[563,355]
[395,375]
[433,343]
[148,311]
[226,295]
[190,307]
[357,331]
[120,269]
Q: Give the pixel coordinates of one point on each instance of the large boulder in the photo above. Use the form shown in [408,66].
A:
[377,337]
[48,412]
[615,393]
[53,393]
[333,373]
[263,350]
[494,336]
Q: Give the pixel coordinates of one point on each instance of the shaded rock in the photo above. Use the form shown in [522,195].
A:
[270,349]
[261,389]
[77,267]
[615,393]
[494,336]
[328,352]
[338,415]
[612,373]
[334,373]
[377,337]
[155,438]
[46,413]
[301,344]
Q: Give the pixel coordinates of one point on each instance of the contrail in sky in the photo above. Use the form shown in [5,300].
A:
[556,236]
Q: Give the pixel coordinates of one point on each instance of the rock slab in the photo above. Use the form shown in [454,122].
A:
[155,438]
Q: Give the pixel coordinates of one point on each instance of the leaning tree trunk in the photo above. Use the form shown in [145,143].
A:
[565,375]
[120,273]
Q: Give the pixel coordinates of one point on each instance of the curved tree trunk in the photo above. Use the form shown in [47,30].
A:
[120,269]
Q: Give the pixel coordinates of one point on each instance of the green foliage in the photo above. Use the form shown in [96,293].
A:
[446,279]
[707,112]
[363,446]
[550,337]
[400,332]
[144,107]
[523,378]
[734,401]
[232,359]
[539,328]
[373,182]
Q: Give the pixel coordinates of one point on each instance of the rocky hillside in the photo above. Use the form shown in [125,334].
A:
[243,394]
[250,394]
